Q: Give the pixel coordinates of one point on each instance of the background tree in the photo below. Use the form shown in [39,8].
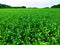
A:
[4,6]
[46,7]
[7,6]
[56,6]
[23,6]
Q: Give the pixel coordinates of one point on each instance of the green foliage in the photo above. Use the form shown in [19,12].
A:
[4,6]
[29,26]
[19,7]
[7,6]
[46,7]
[56,6]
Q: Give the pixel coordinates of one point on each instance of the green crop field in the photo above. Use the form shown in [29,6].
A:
[30,26]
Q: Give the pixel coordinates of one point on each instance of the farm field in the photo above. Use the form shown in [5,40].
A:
[30,26]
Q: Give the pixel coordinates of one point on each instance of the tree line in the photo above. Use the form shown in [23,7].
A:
[7,6]
[54,6]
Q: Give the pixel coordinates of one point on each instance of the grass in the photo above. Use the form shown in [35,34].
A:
[30,26]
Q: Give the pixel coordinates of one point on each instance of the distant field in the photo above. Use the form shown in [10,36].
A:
[30,26]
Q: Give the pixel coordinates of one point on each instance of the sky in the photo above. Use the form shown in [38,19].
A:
[31,3]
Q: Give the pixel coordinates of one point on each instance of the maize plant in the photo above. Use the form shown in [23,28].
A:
[30,26]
